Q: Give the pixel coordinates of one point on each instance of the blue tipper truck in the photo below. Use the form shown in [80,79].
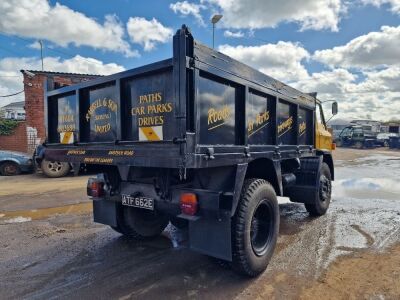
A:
[199,140]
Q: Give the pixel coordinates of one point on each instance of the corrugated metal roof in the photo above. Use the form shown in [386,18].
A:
[13,104]
[61,73]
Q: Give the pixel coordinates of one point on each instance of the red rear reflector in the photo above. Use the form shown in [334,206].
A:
[189,204]
[96,189]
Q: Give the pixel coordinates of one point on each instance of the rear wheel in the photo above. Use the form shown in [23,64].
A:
[359,145]
[9,168]
[323,198]
[55,169]
[255,228]
[140,223]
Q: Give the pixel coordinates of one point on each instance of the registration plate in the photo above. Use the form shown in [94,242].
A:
[140,202]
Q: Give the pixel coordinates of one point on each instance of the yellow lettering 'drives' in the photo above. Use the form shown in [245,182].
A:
[151,113]
[285,125]
[302,128]
[260,121]
[218,117]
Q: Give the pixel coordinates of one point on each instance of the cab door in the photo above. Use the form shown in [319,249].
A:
[323,138]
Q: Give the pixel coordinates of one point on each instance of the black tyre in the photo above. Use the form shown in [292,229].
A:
[140,223]
[323,199]
[9,168]
[255,228]
[179,223]
[55,169]
[359,145]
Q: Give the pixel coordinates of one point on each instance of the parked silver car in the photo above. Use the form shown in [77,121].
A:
[13,163]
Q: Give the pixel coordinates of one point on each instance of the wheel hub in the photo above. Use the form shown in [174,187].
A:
[55,166]
[325,188]
[10,169]
[261,227]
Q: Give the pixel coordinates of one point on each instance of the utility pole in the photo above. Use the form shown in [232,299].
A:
[214,20]
[41,53]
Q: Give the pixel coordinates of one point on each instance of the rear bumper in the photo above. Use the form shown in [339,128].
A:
[209,230]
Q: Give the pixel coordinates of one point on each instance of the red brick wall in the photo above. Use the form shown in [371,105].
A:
[34,102]
[17,141]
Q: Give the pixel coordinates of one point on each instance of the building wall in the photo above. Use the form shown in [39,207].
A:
[17,141]
[32,132]
[34,103]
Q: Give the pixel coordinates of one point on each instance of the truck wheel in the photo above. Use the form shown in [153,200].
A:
[255,228]
[359,145]
[323,199]
[140,223]
[9,168]
[55,169]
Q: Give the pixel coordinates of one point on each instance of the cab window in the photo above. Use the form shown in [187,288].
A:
[319,115]
[345,132]
[358,132]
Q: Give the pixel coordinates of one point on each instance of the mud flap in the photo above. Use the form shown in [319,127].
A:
[105,212]
[211,237]
[307,181]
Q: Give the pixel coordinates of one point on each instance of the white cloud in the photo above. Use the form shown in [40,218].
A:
[281,61]
[35,45]
[372,50]
[254,14]
[231,34]
[394,4]
[62,25]
[148,33]
[11,78]
[376,96]
[186,9]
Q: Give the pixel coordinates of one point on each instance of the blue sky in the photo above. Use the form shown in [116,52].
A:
[293,41]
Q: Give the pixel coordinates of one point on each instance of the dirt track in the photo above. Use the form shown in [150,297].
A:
[353,252]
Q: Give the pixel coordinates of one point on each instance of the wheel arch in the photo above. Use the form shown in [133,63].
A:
[327,158]
[12,160]
[262,168]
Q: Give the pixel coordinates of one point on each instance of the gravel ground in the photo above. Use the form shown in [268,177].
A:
[50,248]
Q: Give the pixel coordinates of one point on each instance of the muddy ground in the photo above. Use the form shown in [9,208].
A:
[50,248]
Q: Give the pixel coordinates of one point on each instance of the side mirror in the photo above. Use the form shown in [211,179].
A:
[335,108]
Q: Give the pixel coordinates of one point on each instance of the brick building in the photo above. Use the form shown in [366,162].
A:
[32,132]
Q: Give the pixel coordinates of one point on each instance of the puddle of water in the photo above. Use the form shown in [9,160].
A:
[17,220]
[37,214]
[367,188]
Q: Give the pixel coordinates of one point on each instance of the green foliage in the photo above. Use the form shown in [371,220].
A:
[7,126]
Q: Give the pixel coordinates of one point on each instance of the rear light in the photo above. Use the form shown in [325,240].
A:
[95,188]
[189,204]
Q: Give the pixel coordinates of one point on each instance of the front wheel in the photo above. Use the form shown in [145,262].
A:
[9,168]
[255,228]
[323,197]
